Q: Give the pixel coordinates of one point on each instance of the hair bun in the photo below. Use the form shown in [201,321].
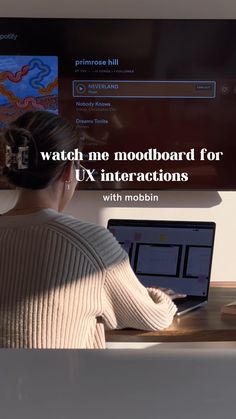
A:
[24,139]
[18,137]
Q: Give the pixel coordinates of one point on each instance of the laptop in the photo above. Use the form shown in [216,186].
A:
[170,254]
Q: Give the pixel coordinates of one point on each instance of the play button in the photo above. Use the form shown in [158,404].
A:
[80,88]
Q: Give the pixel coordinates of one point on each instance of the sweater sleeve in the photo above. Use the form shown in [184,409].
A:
[127,303]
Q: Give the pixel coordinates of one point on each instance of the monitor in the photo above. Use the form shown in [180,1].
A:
[157,96]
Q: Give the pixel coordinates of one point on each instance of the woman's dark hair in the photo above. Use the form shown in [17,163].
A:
[41,131]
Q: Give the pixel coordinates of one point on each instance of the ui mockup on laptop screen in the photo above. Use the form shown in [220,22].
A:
[169,254]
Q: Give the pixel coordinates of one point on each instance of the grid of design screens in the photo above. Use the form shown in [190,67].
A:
[173,256]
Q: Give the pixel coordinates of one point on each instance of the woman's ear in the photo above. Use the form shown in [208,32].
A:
[67,174]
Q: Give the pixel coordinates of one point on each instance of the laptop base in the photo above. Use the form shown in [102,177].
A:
[189,305]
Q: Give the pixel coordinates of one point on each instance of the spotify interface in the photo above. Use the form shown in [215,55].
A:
[130,86]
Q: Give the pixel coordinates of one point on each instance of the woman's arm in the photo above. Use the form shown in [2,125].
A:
[127,303]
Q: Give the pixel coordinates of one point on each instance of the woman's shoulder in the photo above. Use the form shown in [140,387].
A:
[89,237]
[77,226]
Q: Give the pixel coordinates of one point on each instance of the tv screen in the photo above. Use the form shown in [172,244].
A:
[155,99]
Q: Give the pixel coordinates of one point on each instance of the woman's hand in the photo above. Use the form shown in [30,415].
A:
[172,294]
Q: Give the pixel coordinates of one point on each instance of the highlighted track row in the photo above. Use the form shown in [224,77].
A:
[144,89]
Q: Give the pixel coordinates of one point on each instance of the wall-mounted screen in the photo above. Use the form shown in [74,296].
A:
[159,96]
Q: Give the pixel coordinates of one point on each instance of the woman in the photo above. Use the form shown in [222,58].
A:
[61,279]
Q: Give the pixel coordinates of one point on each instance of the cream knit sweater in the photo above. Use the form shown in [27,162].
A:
[62,280]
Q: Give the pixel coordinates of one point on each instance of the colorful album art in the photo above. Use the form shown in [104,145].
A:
[27,83]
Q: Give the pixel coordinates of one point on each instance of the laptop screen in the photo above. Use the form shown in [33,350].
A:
[169,254]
